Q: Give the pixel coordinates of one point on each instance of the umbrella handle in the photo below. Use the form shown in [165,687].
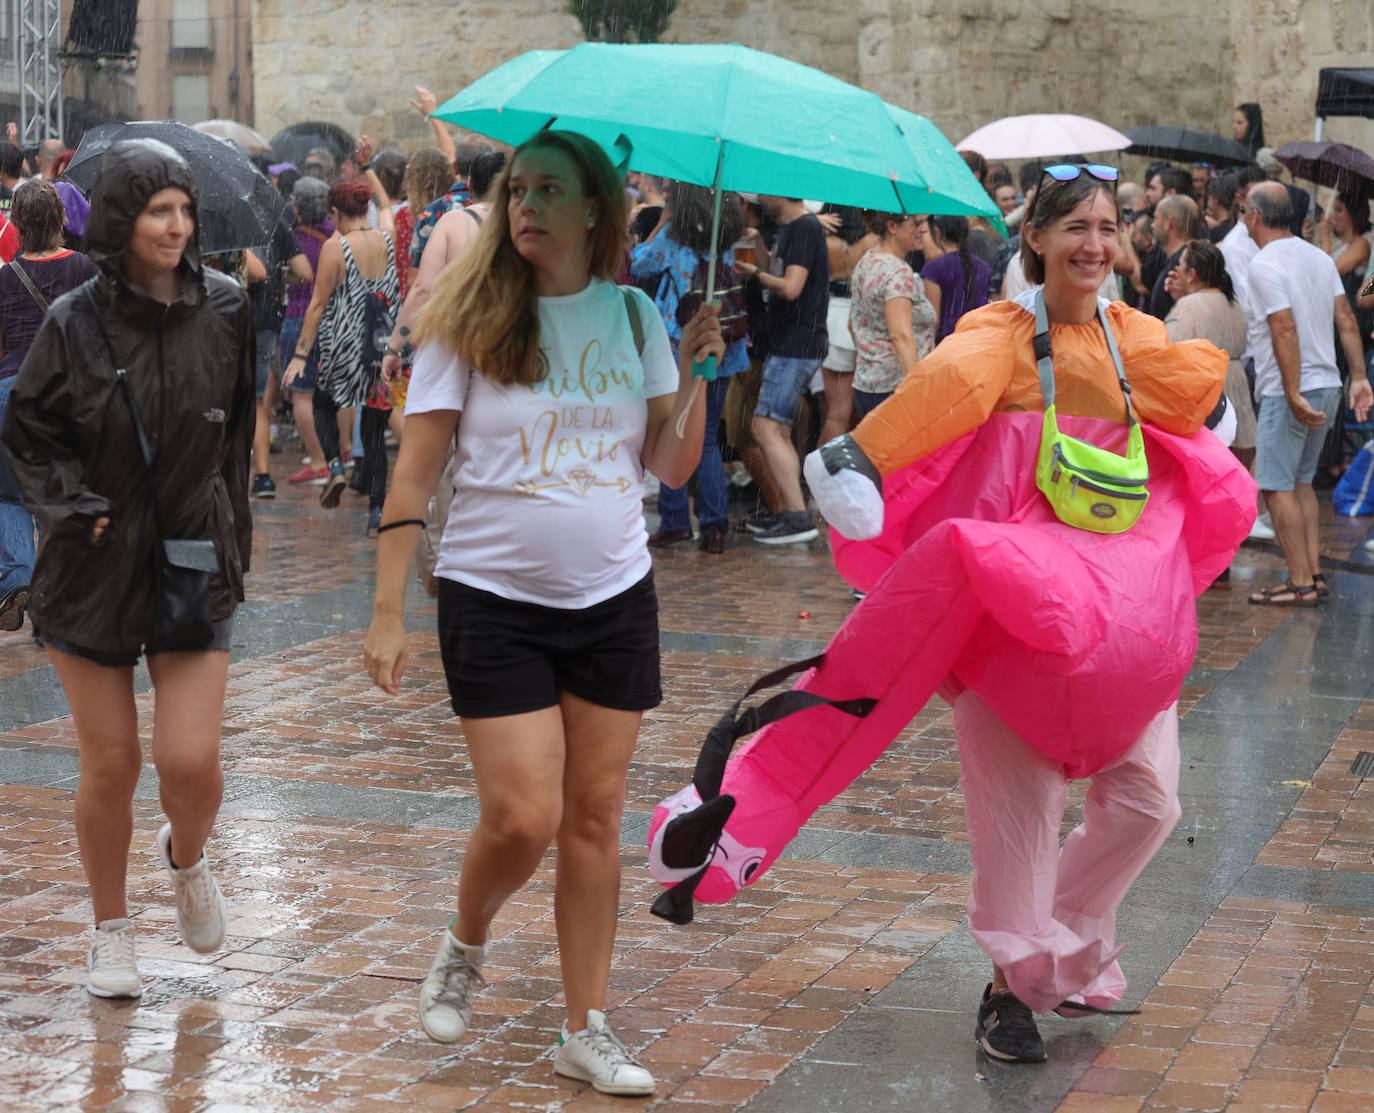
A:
[706,369]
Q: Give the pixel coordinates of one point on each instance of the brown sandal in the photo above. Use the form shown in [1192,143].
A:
[1286,594]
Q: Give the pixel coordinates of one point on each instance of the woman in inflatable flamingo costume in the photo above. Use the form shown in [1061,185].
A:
[1007,569]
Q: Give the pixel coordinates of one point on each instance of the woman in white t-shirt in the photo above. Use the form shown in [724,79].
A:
[548,622]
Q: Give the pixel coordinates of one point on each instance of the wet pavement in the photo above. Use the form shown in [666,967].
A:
[843,980]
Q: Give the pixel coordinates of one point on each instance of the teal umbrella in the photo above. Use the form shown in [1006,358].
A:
[727,117]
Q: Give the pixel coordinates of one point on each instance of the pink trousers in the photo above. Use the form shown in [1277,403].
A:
[1046,914]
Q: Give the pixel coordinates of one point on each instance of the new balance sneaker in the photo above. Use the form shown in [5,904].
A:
[111,968]
[200,907]
[1006,1029]
[446,993]
[263,487]
[788,527]
[333,486]
[594,1055]
[759,522]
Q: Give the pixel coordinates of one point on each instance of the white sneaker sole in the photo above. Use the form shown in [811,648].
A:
[788,538]
[625,1089]
[96,991]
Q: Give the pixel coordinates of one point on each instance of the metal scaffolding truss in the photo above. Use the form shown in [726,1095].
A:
[37,58]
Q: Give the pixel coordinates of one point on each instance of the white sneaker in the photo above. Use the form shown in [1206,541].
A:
[112,970]
[594,1055]
[446,993]
[200,907]
[1263,529]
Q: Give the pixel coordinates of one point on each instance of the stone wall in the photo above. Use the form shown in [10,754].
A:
[962,64]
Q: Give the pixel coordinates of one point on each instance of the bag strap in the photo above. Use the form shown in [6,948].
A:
[122,377]
[28,282]
[636,325]
[732,726]
[1044,359]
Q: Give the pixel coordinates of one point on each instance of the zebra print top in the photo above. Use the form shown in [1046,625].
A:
[342,373]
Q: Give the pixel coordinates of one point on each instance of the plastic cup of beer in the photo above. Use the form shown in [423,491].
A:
[744,251]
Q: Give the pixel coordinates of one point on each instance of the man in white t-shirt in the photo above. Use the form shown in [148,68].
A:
[1295,294]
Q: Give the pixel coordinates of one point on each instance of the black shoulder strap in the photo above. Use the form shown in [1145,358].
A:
[28,282]
[122,376]
[636,325]
[474,214]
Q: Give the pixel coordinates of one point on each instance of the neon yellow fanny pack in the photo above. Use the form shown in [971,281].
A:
[1087,486]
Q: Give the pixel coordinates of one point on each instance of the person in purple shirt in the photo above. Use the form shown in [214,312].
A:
[956,280]
[37,215]
[311,230]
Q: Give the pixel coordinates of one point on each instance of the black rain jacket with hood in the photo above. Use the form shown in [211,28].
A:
[71,439]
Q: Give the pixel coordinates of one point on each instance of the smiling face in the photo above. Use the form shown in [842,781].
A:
[161,232]
[1005,197]
[1079,248]
[905,235]
[550,217]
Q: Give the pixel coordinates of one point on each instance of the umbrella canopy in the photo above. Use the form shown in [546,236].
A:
[1043,136]
[293,143]
[1186,145]
[251,141]
[1346,169]
[736,118]
[238,205]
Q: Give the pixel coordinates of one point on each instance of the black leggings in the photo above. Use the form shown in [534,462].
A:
[374,424]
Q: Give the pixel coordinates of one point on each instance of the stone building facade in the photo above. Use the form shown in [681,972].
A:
[962,64]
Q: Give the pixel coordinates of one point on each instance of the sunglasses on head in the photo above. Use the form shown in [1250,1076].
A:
[1068,171]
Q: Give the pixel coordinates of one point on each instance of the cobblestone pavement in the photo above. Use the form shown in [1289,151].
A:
[842,980]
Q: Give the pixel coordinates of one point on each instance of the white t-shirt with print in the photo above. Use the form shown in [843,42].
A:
[547,478]
[1291,273]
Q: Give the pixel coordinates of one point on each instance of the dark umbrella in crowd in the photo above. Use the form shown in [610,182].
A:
[238,204]
[1184,144]
[1346,169]
[293,143]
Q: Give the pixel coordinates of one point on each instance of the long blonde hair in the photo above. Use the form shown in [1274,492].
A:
[485,307]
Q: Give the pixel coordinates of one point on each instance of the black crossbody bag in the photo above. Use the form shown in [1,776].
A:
[179,619]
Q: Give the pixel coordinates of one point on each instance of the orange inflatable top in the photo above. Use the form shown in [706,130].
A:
[987,366]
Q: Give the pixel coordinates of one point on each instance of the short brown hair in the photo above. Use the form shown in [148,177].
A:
[37,214]
[1055,199]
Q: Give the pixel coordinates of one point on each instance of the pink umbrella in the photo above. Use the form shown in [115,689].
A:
[1043,135]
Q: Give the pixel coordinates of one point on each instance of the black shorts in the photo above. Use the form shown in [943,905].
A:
[503,657]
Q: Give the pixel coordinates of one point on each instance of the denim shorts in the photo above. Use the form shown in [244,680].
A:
[267,351]
[223,639]
[1286,451]
[784,379]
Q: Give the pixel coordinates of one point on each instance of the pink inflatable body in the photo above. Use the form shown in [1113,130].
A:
[1075,639]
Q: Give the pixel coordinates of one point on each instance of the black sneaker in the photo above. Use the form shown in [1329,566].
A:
[758,523]
[790,526]
[12,608]
[1006,1029]
[263,487]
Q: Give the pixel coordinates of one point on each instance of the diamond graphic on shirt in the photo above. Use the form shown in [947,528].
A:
[582,479]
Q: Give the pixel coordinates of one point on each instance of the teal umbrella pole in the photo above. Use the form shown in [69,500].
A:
[706,369]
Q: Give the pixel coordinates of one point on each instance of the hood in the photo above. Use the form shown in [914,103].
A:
[131,171]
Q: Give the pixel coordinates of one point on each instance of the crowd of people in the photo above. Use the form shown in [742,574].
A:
[560,311]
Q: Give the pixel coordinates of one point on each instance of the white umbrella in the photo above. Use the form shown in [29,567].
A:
[1043,135]
[252,141]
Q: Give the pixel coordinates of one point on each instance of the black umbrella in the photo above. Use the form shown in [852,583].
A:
[1186,145]
[239,207]
[1346,169]
[293,143]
